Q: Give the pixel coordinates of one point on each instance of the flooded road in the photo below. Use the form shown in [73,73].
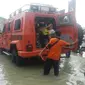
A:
[71,73]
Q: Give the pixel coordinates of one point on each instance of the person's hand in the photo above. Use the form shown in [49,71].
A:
[40,54]
[49,25]
[75,41]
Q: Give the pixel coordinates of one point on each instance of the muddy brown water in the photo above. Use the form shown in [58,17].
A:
[71,72]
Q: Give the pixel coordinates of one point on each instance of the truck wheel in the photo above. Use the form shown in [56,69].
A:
[19,61]
[16,59]
[14,56]
[1,51]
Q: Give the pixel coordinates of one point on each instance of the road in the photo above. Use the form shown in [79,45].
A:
[71,72]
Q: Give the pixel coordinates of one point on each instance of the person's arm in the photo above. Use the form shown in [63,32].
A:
[74,43]
[44,49]
[49,26]
[70,44]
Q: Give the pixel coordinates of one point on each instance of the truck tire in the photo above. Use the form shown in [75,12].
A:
[1,51]
[16,59]
[13,56]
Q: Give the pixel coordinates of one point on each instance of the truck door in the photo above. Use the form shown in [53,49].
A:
[40,41]
[0,40]
[66,23]
[9,34]
[4,36]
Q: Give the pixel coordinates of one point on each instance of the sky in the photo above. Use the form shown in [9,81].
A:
[9,6]
[80,12]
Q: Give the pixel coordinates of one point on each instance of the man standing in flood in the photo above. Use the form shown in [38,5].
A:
[55,46]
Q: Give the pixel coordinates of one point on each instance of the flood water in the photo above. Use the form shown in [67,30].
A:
[71,73]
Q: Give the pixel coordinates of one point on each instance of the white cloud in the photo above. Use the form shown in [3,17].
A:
[80,12]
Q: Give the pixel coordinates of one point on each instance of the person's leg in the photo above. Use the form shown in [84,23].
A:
[41,40]
[45,39]
[56,67]
[47,66]
[68,54]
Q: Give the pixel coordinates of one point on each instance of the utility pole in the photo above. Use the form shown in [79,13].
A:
[72,5]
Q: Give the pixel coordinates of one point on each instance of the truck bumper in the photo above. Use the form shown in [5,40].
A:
[25,54]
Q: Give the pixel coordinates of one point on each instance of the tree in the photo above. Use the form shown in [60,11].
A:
[80,35]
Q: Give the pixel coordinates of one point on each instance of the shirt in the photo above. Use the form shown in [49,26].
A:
[51,31]
[55,51]
[45,31]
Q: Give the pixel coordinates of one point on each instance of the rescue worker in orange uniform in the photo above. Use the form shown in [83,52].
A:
[55,46]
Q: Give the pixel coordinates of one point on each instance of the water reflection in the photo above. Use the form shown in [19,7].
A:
[71,73]
[3,80]
[77,77]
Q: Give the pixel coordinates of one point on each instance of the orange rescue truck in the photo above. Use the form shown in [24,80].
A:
[20,32]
